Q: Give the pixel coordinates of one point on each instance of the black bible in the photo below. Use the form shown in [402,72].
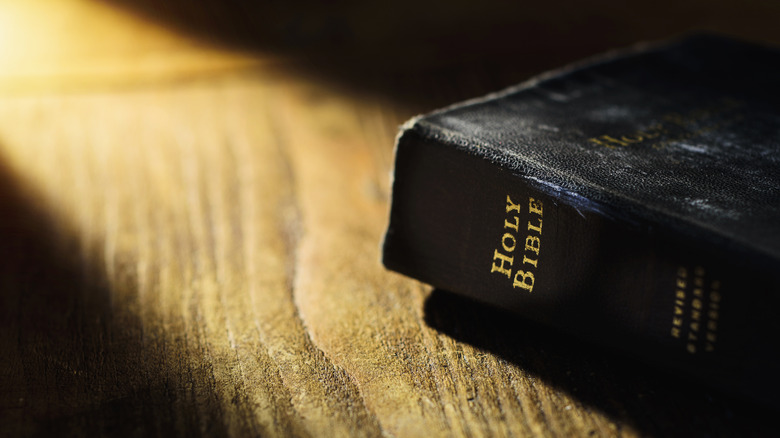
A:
[632,200]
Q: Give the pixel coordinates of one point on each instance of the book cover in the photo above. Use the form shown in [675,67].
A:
[633,201]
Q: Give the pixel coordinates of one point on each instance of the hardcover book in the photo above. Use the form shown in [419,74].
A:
[632,200]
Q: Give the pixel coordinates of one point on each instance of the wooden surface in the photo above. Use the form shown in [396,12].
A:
[190,246]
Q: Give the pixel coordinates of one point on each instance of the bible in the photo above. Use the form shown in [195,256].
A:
[632,200]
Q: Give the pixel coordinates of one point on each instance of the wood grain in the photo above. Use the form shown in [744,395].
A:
[200,257]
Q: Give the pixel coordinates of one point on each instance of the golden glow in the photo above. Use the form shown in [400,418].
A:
[67,43]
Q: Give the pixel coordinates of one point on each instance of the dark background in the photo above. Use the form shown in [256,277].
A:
[394,47]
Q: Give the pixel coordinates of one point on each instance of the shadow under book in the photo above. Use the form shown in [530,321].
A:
[633,201]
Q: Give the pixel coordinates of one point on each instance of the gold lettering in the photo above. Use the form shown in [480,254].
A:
[528,261]
[698,315]
[522,280]
[501,267]
[532,243]
[534,227]
[635,139]
[503,260]
[679,302]
[625,140]
[534,206]
[508,248]
[649,134]
[511,206]
[607,141]
[712,324]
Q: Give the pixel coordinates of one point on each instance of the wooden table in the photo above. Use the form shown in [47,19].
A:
[190,232]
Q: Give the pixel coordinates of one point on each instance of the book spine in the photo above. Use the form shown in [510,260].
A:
[466,225]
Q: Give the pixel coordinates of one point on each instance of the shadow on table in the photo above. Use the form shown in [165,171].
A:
[628,391]
[72,359]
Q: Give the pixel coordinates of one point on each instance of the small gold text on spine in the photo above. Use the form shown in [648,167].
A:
[696,309]
[504,254]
